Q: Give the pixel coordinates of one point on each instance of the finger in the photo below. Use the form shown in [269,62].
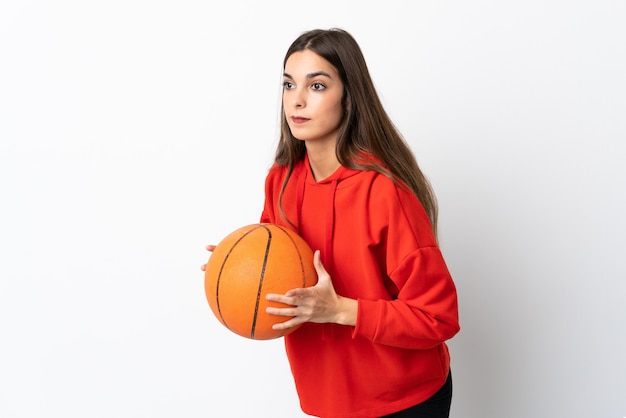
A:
[210,247]
[299,293]
[317,258]
[281,311]
[287,300]
[203,267]
[288,324]
[317,263]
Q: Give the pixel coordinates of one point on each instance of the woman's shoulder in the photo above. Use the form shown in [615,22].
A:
[277,173]
[383,184]
[276,169]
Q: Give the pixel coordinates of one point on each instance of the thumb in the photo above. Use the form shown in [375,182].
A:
[319,267]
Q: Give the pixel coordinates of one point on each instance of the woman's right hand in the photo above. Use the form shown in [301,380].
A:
[209,248]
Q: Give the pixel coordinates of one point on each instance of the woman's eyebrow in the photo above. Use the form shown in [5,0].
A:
[311,75]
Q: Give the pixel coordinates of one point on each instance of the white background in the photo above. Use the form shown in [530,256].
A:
[135,132]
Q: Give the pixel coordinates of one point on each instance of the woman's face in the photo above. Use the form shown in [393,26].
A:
[312,93]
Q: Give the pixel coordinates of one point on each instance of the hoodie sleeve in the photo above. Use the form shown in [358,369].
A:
[422,310]
[272,191]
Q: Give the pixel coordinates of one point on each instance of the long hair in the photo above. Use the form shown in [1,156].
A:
[366,129]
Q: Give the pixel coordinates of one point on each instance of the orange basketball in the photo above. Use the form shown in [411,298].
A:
[246,265]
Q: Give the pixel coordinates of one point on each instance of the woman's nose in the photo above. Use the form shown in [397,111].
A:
[299,100]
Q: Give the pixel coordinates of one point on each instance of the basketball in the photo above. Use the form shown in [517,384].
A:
[249,263]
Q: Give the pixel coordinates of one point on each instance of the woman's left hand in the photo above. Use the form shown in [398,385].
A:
[319,303]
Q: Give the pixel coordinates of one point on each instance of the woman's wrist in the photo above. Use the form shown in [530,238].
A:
[347,311]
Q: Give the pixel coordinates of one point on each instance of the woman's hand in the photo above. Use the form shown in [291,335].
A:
[319,303]
[209,248]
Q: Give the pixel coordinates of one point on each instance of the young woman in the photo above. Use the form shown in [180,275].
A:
[374,328]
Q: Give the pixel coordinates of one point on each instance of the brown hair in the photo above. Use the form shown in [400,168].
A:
[366,126]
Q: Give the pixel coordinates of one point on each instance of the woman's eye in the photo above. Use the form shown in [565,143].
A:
[287,85]
[318,86]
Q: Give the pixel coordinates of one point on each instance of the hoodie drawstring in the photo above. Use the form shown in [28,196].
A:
[330,221]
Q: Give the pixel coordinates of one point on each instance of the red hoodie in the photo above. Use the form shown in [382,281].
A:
[378,246]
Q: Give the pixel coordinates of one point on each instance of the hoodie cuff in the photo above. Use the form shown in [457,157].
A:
[365,327]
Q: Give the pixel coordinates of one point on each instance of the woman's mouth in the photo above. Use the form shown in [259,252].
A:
[298,119]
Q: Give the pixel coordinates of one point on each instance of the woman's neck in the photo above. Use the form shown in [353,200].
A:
[322,159]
